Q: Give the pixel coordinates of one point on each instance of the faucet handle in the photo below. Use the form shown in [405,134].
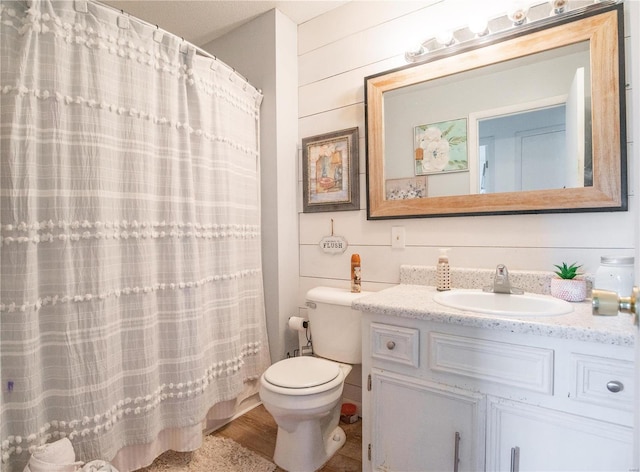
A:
[501,282]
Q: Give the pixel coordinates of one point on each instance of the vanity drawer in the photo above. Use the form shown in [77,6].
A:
[395,344]
[482,360]
[603,381]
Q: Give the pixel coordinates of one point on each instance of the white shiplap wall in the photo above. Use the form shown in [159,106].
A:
[336,52]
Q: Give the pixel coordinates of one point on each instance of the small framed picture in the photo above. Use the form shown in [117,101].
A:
[441,147]
[406,189]
[330,177]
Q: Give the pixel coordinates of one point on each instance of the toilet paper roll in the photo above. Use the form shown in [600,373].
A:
[296,323]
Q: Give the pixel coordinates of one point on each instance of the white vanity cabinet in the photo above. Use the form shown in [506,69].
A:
[449,397]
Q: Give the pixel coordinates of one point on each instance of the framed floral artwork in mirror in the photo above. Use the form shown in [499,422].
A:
[441,147]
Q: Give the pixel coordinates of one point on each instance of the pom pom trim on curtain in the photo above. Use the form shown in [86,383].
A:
[131,298]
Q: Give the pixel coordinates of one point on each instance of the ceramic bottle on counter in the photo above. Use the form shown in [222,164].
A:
[443,272]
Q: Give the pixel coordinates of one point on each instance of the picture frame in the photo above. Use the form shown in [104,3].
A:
[407,188]
[441,147]
[330,172]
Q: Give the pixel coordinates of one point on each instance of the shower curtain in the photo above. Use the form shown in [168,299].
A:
[131,297]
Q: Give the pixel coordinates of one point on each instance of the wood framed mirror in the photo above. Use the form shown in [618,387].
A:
[438,142]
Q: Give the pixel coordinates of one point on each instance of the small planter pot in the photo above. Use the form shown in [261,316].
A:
[571,290]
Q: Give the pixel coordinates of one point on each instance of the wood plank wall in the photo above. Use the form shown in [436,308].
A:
[336,52]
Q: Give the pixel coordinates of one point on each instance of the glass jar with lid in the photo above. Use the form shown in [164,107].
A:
[616,274]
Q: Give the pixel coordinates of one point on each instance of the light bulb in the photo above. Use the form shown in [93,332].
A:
[479,26]
[415,52]
[558,6]
[518,14]
[445,38]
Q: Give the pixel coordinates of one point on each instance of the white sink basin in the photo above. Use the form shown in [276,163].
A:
[504,304]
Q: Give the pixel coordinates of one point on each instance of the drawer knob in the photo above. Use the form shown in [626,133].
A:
[615,386]
[391,345]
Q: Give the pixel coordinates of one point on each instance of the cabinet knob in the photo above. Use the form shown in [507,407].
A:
[391,345]
[615,386]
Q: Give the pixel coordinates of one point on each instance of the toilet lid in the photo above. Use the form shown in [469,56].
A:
[301,372]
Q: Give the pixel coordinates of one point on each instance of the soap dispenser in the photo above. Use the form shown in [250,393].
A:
[443,272]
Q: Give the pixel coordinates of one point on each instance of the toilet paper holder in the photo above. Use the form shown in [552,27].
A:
[297,323]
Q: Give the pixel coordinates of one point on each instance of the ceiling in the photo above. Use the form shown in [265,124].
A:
[201,21]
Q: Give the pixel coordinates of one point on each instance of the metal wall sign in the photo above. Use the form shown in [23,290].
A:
[333,244]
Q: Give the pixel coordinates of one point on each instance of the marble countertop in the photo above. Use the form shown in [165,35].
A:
[416,301]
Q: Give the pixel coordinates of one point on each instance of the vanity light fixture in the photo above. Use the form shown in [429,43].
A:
[524,15]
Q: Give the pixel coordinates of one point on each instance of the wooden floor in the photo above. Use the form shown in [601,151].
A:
[256,430]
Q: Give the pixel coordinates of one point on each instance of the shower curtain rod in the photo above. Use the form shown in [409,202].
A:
[198,49]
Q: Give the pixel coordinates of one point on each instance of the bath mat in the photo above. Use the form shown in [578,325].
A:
[215,455]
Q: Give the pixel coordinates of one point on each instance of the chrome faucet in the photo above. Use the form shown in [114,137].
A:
[501,283]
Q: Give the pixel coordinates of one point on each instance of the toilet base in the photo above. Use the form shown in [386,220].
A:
[290,456]
[337,440]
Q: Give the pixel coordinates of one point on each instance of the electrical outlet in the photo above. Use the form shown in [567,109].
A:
[397,237]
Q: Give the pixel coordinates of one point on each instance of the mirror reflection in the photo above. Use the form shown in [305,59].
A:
[518,125]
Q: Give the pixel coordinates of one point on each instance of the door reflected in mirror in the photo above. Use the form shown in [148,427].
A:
[523,151]
[532,150]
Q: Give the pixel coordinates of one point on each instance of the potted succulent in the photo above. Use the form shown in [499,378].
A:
[568,285]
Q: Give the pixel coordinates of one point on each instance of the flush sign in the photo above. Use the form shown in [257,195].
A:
[333,244]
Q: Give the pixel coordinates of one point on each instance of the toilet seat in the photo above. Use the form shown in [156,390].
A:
[301,372]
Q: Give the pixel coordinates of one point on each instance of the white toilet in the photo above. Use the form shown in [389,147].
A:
[304,394]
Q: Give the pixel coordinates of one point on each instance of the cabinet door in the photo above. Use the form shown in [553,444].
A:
[414,425]
[549,440]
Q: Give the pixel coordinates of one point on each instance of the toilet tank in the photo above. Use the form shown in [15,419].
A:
[336,329]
